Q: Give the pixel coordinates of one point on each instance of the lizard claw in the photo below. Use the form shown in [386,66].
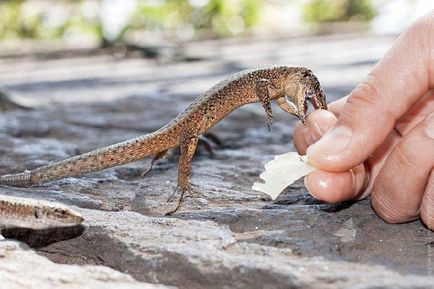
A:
[172,195]
[269,112]
[191,189]
[180,200]
[269,122]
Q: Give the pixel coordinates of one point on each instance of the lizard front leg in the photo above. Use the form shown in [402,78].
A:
[188,147]
[263,87]
[287,106]
[297,105]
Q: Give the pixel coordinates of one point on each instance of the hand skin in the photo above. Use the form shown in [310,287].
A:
[379,140]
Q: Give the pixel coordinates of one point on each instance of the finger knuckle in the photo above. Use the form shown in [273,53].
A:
[427,216]
[427,206]
[366,92]
[367,96]
[402,159]
[382,207]
[387,209]
[429,127]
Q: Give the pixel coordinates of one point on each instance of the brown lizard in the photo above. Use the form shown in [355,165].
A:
[248,86]
[34,214]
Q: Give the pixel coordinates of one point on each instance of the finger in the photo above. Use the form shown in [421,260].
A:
[300,138]
[427,205]
[333,187]
[327,186]
[336,107]
[391,89]
[377,159]
[411,119]
[337,187]
[317,123]
[399,187]
[416,114]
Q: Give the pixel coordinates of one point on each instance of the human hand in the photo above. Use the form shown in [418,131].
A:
[380,138]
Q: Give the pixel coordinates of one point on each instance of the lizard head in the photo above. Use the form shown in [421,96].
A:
[36,214]
[301,86]
[62,216]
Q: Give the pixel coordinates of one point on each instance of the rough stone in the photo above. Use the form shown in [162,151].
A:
[204,254]
[23,268]
[228,236]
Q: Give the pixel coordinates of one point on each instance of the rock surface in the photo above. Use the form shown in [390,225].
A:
[22,268]
[204,254]
[228,236]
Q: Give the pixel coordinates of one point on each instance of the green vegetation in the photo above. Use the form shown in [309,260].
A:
[175,19]
[14,25]
[216,18]
[321,11]
[32,19]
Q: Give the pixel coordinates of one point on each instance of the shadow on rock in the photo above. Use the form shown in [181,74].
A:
[294,198]
[41,238]
[6,104]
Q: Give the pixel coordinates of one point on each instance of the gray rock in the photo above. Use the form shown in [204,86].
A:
[21,268]
[204,254]
[227,236]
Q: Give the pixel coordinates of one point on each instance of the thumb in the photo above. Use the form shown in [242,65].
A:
[395,84]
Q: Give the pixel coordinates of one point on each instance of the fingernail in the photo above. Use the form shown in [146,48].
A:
[314,129]
[312,134]
[308,138]
[429,129]
[331,144]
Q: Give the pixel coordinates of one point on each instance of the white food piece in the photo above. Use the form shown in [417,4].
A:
[281,172]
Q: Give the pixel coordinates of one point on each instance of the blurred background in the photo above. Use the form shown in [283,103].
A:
[101,23]
[99,50]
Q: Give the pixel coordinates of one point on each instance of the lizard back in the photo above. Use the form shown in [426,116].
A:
[207,110]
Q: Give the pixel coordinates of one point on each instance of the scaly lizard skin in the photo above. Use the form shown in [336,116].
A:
[33,214]
[249,86]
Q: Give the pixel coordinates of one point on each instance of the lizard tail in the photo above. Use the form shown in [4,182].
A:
[22,179]
[99,159]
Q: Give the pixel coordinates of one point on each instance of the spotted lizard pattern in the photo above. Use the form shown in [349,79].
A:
[290,87]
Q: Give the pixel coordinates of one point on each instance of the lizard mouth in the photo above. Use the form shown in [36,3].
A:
[309,98]
[300,112]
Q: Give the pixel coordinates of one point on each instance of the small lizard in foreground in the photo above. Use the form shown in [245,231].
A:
[34,214]
[248,86]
